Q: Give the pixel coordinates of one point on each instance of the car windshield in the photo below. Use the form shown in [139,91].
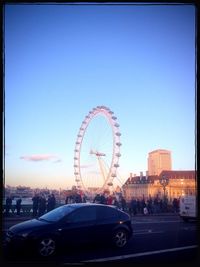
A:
[56,214]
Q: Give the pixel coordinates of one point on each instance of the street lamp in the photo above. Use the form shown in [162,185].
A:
[164,181]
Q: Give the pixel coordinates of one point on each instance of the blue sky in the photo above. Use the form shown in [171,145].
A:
[62,60]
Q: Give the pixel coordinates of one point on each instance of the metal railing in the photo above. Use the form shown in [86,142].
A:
[26,210]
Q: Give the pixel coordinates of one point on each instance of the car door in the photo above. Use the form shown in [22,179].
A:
[78,227]
[107,220]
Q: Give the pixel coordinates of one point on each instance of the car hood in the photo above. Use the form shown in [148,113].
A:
[28,225]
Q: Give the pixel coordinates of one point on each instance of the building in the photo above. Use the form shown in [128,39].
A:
[158,161]
[180,183]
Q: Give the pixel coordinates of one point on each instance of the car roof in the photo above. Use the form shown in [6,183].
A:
[79,205]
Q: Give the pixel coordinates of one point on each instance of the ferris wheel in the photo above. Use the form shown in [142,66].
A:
[97,151]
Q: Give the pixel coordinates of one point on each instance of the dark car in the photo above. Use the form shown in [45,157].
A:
[72,223]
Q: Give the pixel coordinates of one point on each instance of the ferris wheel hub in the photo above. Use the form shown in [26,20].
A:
[97,153]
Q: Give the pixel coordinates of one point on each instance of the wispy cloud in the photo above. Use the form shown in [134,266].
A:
[57,161]
[41,157]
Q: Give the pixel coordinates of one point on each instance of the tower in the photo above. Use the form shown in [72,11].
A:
[158,161]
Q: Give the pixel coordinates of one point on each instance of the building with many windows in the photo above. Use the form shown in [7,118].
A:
[180,183]
[158,161]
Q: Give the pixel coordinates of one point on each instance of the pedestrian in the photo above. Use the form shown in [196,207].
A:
[84,199]
[97,199]
[49,203]
[8,205]
[102,199]
[67,200]
[115,202]
[77,198]
[35,200]
[133,206]
[156,205]
[53,202]
[18,205]
[175,205]
[123,204]
[109,200]
[42,205]
[150,205]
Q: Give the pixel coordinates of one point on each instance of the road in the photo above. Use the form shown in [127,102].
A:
[155,238]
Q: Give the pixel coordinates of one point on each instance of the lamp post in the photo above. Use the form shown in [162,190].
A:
[164,181]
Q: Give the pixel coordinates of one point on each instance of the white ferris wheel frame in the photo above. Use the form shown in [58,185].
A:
[109,115]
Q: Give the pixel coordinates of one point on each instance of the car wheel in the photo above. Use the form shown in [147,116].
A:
[46,246]
[120,238]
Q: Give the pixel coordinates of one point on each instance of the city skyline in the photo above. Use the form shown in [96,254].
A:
[62,61]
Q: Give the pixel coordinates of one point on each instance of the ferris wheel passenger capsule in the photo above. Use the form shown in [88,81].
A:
[110,184]
[118,154]
[116,125]
[116,165]
[113,175]
[118,134]
[118,144]
[76,173]
[114,118]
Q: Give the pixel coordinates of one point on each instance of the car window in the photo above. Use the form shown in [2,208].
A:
[107,213]
[57,214]
[83,214]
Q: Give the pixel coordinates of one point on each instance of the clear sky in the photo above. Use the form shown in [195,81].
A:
[61,61]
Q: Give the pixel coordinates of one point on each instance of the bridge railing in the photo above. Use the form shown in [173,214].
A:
[26,210]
